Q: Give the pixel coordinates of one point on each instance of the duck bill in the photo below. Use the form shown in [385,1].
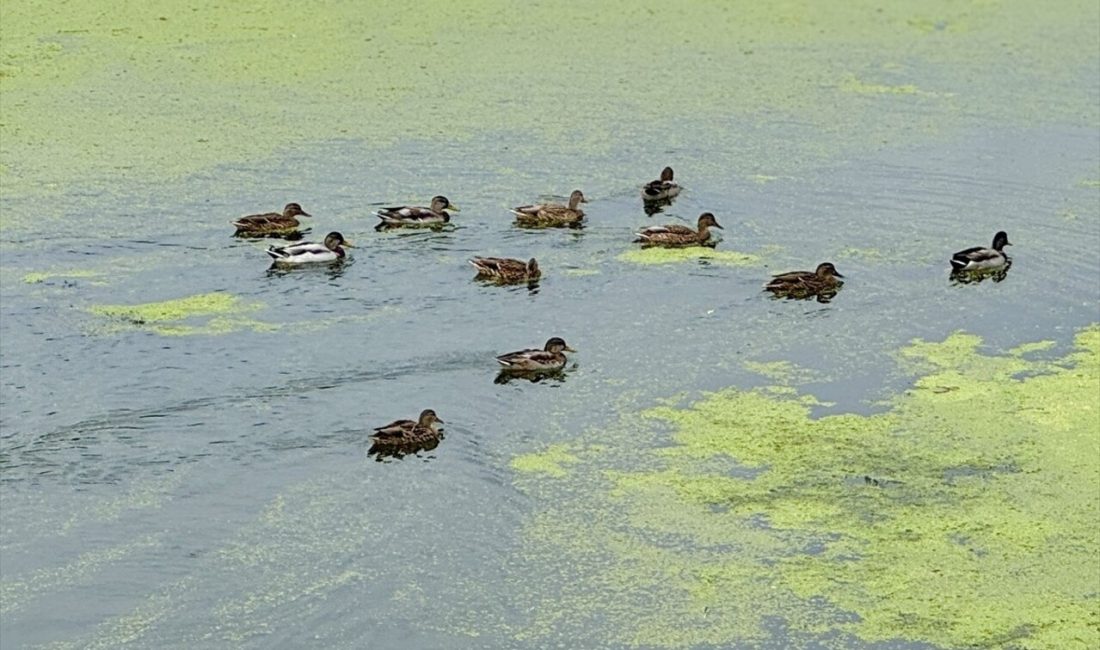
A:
[837,275]
[569,349]
[716,225]
[305,214]
[347,244]
[439,421]
[452,207]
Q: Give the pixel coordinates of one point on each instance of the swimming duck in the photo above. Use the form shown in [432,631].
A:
[406,433]
[980,258]
[552,214]
[271,223]
[310,252]
[506,270]
[662,188]
[677,235]
[415,216]
[551,357]
[805,284]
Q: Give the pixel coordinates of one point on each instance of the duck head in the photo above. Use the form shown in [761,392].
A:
[294,210]
[576,198]
[707,220]
[666,174]
[428,418]
[557,344]
[532,267]
[335,240]
[1000,240]
[440,203]
[826,270]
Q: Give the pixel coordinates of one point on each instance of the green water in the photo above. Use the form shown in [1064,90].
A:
[183,458]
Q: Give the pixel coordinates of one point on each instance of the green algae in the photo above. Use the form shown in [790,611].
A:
[658,255]
[156,91]
[961,518]
[551,461]
[783,372]
[43,276]
[222,311]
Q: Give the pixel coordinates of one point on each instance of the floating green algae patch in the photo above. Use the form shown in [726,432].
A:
[115,93]
[215,313]
[965,515]
[43,276]
[693,254]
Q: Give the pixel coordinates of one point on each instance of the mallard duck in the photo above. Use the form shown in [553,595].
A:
[271,222]
[551,357]
[310,252]
[676,235]
[805,284]
[414,216]
[662,188]
[406,433]
[552,214]
[980,258]
[506,270]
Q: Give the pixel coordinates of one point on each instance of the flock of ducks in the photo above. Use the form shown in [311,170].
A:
[406,436]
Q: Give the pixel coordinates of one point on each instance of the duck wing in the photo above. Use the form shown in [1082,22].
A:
[498,265]
[395,429]
[411,214]
[523,357]
[262,221]
[303,252]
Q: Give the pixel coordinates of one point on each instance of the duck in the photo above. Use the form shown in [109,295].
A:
[407,433]
[551,357]
[661,189]
[310,252]
[415,216]
[805,284]
[980,258]
[506,270]
[677,235]
[271,222]
[552,214]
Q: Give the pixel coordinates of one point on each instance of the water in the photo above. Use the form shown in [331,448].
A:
[213,489]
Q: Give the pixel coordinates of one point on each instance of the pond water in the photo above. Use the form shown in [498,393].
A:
[184,432]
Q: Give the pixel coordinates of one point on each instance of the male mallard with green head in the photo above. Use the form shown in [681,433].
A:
[678,236]
[981,258]
[806,284]
[661,189]
[551,357]
[407,433]
[506,270]
[271,223]
[310,252]
[416,216]
[552,214]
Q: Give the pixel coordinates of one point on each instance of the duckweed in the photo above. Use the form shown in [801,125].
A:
[223,311]
[962,516]
[693,254]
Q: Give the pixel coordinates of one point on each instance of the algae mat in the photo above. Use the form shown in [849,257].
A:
[106,93]
[965,515]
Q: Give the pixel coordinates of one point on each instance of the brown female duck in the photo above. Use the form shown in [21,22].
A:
[552,214]
[822,282]
[551,357]
[271,223]
[407,433]
[678,236]
[506,270]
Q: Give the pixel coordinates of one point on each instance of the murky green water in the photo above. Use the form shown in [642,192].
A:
[184,433]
